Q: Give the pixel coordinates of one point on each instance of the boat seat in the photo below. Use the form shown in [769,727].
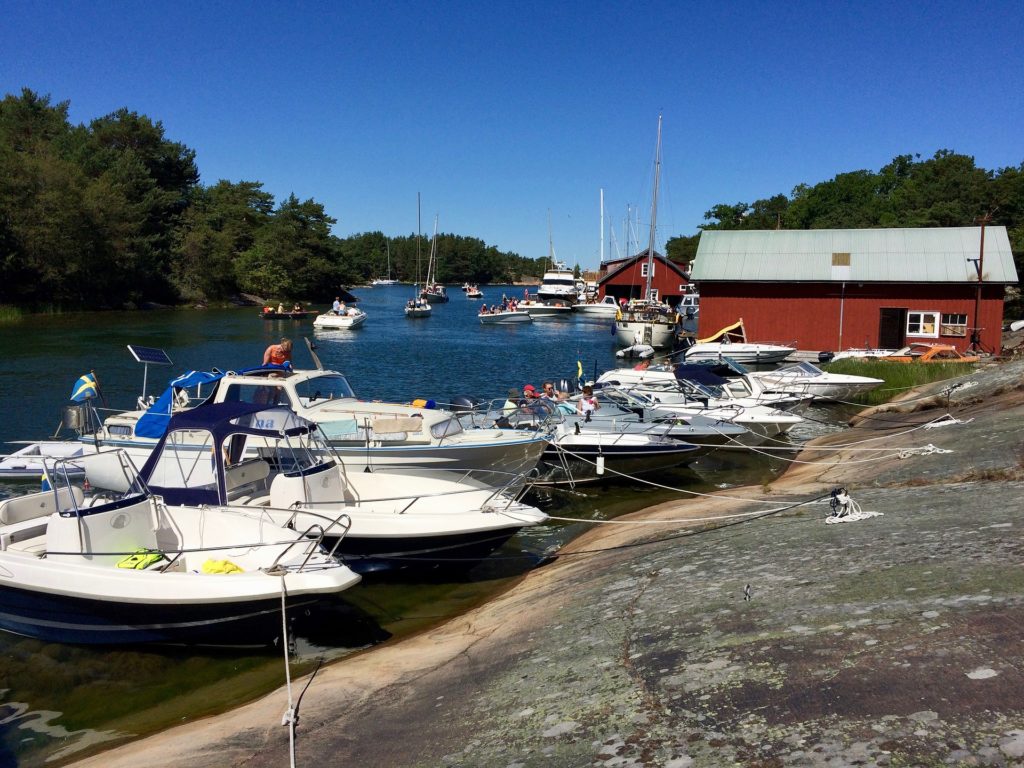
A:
[30,544]
[37,505]
[17,535]
[246,473]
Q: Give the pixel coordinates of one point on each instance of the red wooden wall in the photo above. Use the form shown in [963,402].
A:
[807,315]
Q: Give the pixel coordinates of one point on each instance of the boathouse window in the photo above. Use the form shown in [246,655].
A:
[923,324]
[953,325]
[643,269]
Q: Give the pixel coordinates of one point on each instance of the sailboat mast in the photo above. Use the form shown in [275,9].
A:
[419,229]
[551,243]
[602,226]
[654,213]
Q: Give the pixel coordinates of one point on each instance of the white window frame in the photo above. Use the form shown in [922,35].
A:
[643,270]
[653,295]
[954,324]
[922,318]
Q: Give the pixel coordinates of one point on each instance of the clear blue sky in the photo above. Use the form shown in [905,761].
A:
[498,116]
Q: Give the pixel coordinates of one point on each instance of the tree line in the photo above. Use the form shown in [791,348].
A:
[113,214]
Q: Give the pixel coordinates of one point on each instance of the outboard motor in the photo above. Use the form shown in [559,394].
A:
[826,357]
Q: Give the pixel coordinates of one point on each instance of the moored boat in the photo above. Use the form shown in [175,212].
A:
[130,569]
[505,317]
[349,319]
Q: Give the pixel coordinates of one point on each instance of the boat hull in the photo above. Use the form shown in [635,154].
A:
[657,335]
[505,318]
[62,619]
[339,322]
[573,461]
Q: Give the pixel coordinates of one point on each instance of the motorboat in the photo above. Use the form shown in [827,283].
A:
[349,319]
[636,352]
[860,353]
[505,317]
[417,307]
[727,380]
[558,284]
[30,461]
[732,342]
[807,378]
[688,397]
[374,521]
[589,450]
[545,309]
[689,304]
[606,307]
[365,434]
[473,292]
[129,568]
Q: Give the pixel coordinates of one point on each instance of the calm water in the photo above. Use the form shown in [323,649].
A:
[57,700]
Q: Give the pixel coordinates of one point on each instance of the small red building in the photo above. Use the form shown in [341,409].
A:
[835,289]
[627,278]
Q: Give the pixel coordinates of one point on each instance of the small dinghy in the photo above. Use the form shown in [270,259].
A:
[636,352]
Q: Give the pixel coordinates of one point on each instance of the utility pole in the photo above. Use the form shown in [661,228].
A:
[979,266]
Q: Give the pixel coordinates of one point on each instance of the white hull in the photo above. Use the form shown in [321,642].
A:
[27,462]
[654,334]
[599,309]
[331,321]
[503,318]
[748,354]
[540,309]
[808,379]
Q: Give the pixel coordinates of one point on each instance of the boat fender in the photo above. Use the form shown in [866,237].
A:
[600,465]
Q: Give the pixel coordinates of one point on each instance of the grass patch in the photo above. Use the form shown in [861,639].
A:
[898,377]
[9,314]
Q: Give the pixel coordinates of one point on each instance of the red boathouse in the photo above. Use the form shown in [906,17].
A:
[835,289]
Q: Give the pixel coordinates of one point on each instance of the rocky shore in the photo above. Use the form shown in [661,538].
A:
[736,630]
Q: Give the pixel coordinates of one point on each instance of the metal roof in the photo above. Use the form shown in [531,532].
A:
[933,255]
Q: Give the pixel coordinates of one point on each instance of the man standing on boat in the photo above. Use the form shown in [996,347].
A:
[336,307]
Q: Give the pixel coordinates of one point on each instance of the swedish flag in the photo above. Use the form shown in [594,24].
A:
[579,374]
[85,388]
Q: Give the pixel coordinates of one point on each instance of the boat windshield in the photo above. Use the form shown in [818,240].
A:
[329,386]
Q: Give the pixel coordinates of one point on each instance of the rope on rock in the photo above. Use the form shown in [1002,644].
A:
[845,509]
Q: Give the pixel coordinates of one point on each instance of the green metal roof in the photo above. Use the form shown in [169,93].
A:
[936,255]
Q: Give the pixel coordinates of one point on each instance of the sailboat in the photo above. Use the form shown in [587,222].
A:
[387,280]
[433,291]
[647,324]
[417,306]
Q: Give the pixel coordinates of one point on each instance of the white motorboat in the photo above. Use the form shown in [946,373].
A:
[582,449]
[763,418]
[29,461]
[392,519]
[349,319]
[538,309]
[808,379]
[605,308]
[131,569]
[505,317]
[558,284]
[473,292]
[862,353]
[365,434]
[732,342]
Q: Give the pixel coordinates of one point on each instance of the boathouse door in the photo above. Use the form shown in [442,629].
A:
[892,328]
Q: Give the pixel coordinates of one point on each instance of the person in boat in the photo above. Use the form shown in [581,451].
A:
[280,308]
[548,391]
[530,392]
[643,365]
[296,307]
[351,311]
[587,404]
[336,306]
[484,310]
[278,354]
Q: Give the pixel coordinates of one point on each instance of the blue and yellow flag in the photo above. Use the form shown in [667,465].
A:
[579,374]
[84,388]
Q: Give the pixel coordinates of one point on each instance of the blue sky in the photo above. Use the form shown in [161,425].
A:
[499,114]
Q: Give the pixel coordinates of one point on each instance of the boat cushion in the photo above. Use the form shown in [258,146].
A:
[36,505]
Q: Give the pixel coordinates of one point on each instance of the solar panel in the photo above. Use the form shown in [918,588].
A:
[149,355]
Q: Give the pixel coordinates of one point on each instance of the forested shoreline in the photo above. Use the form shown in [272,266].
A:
[112,214]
